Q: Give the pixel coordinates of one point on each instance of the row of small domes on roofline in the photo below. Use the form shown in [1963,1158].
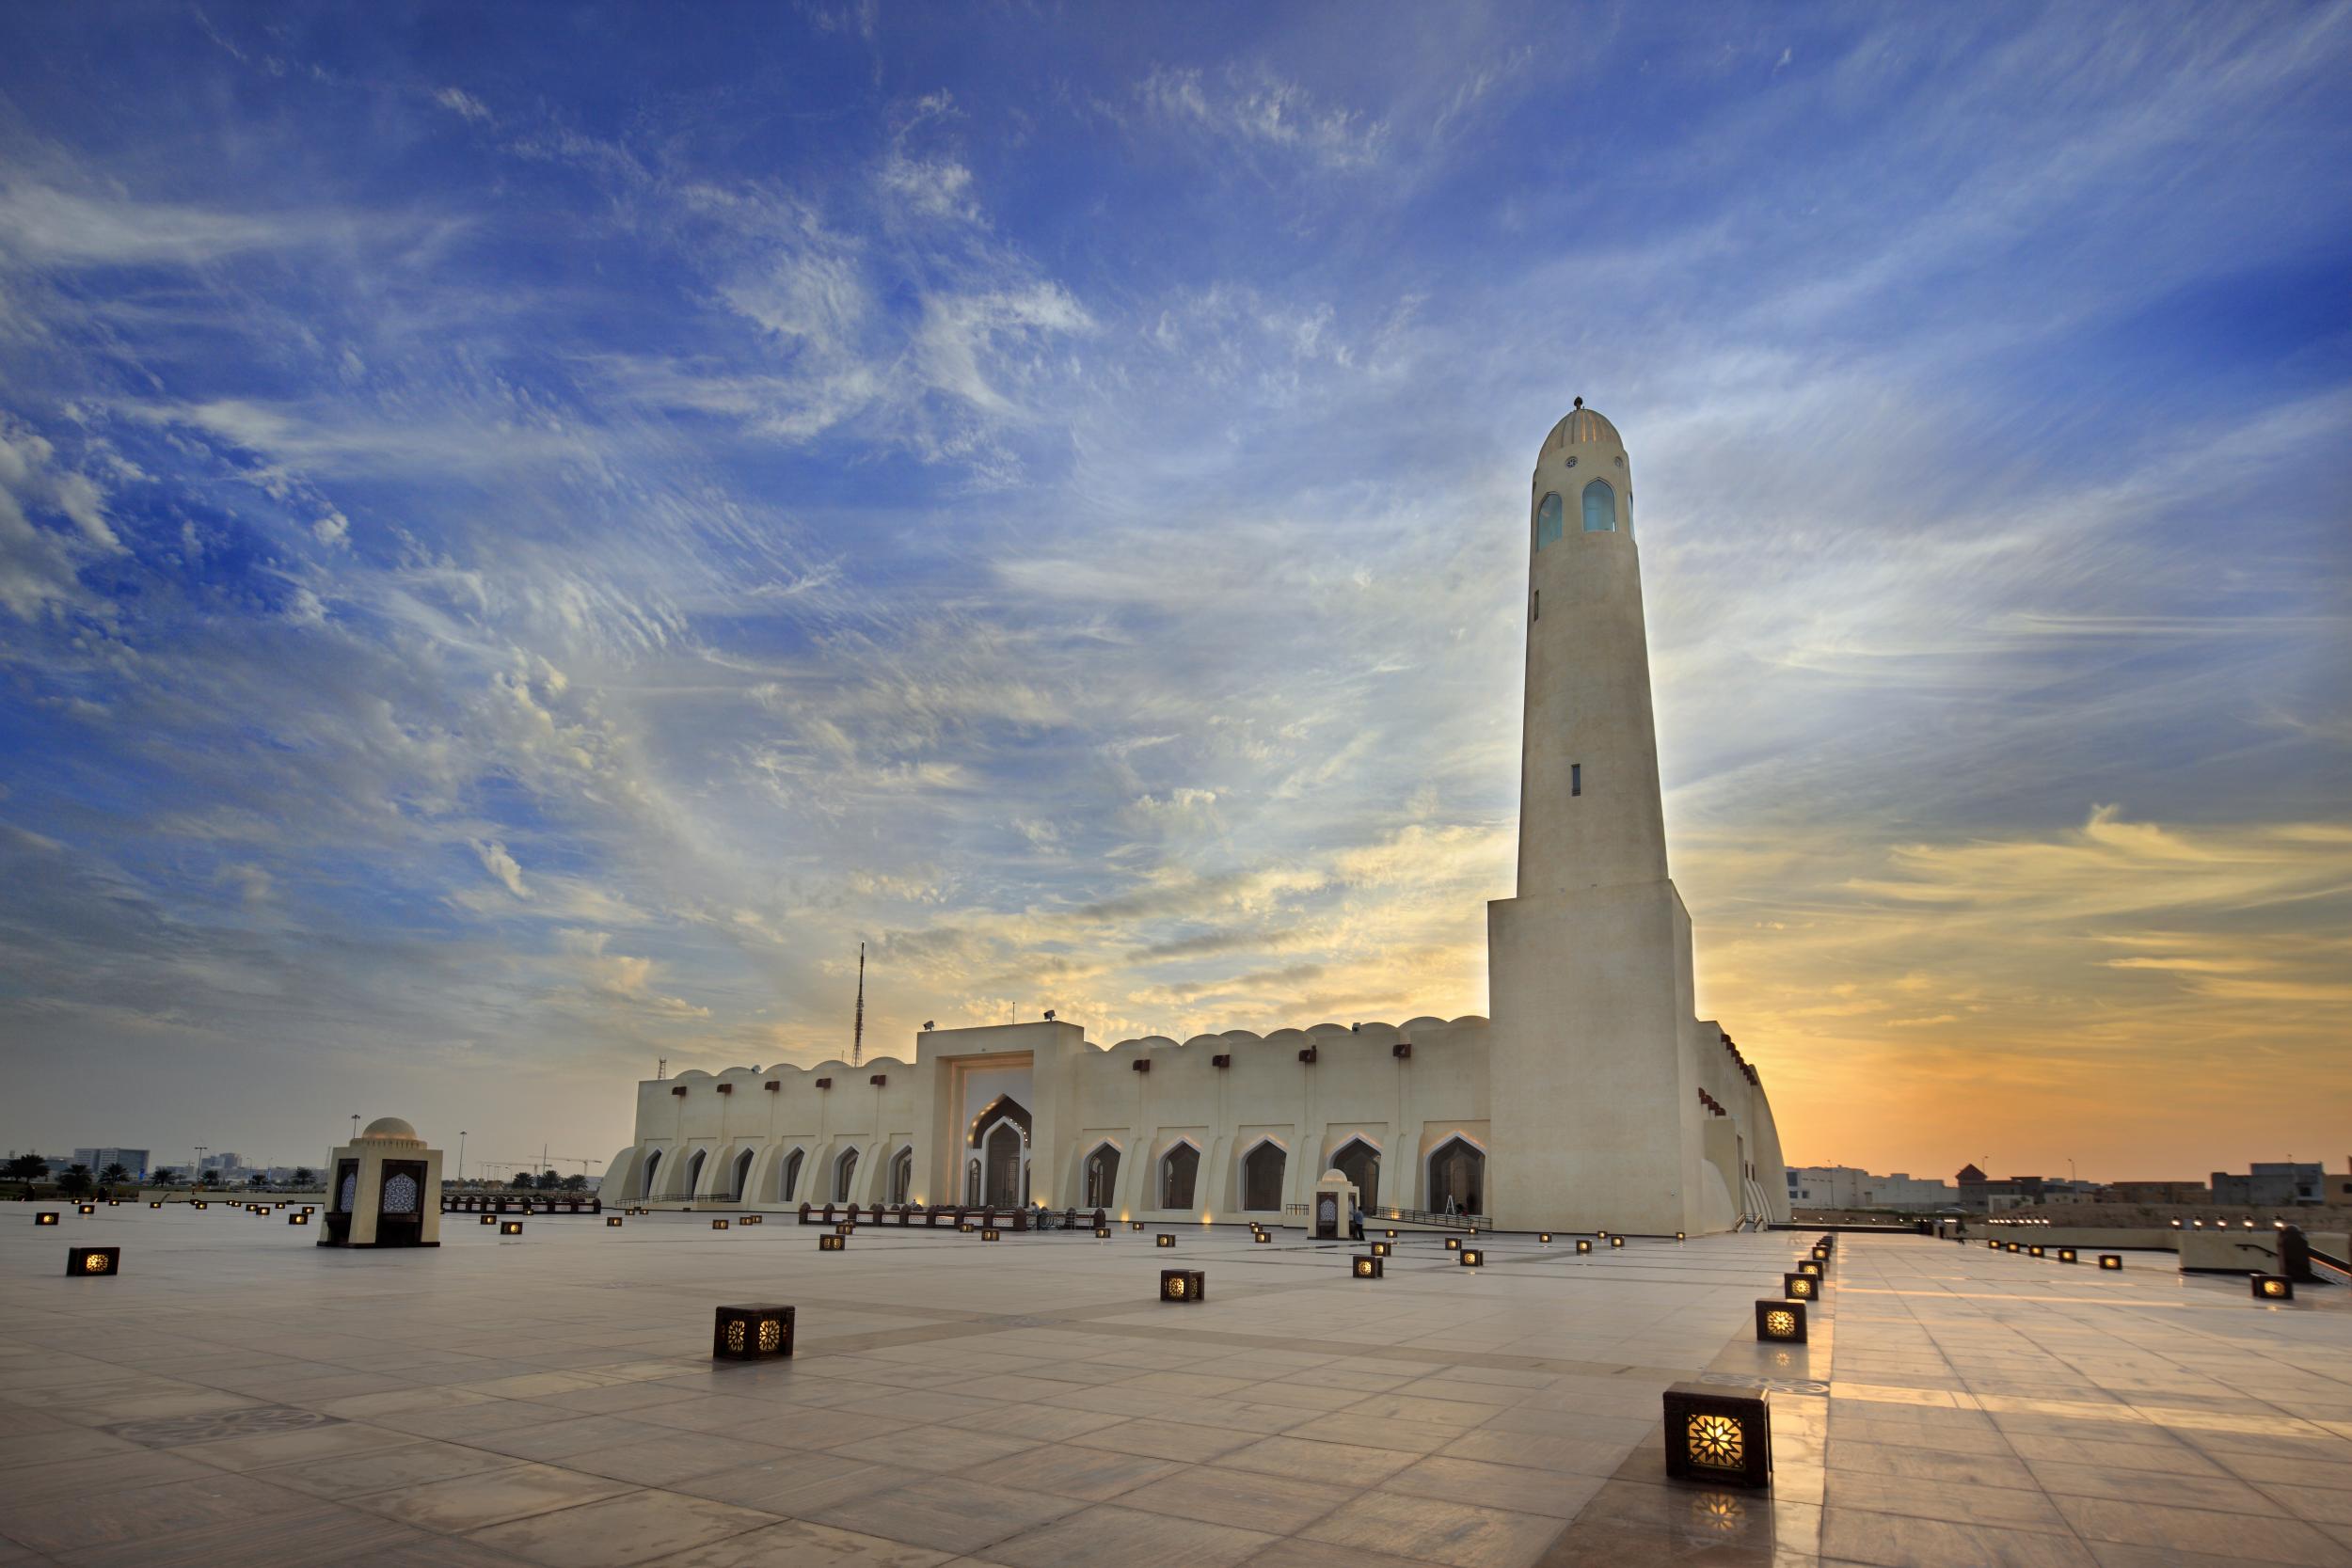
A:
[1147,1042]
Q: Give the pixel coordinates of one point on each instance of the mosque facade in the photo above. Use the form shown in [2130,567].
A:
[1592,1097]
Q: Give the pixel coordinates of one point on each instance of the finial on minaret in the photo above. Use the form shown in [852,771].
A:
[1579,403]
[857,1030]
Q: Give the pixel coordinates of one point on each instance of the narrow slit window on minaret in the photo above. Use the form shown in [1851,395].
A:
[1576,778]
[1535,606]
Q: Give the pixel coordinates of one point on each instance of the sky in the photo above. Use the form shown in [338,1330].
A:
[527,533]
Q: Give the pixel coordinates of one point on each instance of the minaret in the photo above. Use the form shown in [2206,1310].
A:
[1594,1101]
[1589,809]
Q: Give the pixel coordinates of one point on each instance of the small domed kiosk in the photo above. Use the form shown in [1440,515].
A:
[1336,1197]
[384,1190]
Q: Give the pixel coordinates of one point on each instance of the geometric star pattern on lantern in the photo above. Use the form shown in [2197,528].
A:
[1715,1442]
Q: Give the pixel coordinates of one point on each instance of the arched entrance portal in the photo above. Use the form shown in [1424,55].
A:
[1101,1177]
[1179,1169]
[1261,1177]
[901,1175]
[1002,1154]
[791,1177]
[742,1174]
[693,1174]
[1457,1178]
[1360,1164]
[653,1168]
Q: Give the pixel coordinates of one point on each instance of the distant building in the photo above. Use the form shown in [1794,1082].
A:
[1980,1190]
[2274,1185]
[1847,1187]
[227,1164]
[2154,1193]
[132,1160]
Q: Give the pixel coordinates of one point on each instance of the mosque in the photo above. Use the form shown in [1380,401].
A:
[1591,1099]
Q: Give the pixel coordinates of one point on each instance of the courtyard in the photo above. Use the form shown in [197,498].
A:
[237,1395]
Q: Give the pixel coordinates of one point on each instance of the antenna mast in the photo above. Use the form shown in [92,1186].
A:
[857,1030]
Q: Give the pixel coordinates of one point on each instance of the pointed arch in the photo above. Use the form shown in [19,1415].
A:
[743,1176]
[694,1172]
[1100,1176]
[971,1177]
[1457,1178]
[1360,1164]
[1180,1175]
[1003,1108]
[1548,520]
[653,1169]
[844,1174]
[1600,507]
[1262,1172]
[901,1176]
[1002,1153]
[791,1180]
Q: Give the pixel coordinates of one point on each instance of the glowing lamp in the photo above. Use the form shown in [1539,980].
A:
[90,1208]
[2110,1260]
[489,1219]
[1101,1232]
[846,1229]
[1185,1285]
[2066,1255]
[1584,1246]
[117,1203]
[1820,1253]
[1263,1237]
[510,1228]
[47,1216]
[1381,1249]
[2176,1225]
[751,1333]
[1617,1241]
[1780,1322]
[1163,1239]
[992,1234]
[2033,1252]
[612,1222]
[88,1262]
[2008,1246]
[1368,1266]
[1994,1245]
[832,1240]
[2273,1287]
[747,1219]
[1811,1266]
[966,1228]
[1392,1235]
[1800,1287]
[297,1219]
[1543,1238]
[1134,1224]
[1718,1437]
[201,1206]
[1472,1256]
[156,1205]
[1677,1235]
[1454,1244]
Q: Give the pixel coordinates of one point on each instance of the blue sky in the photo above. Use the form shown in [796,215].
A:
[526,535]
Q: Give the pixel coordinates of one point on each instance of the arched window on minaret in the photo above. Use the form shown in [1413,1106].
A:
[1547,514]
[1600,507]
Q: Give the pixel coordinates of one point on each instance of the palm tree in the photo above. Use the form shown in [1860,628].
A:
[162,1176]
[75,1183]
[210,1178]
[27,1168]
[302,1176]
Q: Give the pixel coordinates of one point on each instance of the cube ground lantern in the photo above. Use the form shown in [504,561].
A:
[966,1228]
[1584,1246]
[832,1240]
[1543,1238]
[1617,1241]
[751,1333]
[88,1262]
[2110,1260]
[612,1222]
[1718,1436]
[489,1219]
[992,1234]
[2273,1287]
[1811,1267]
[1101,1232]
[2033,1252]
[718,1225]
[1163,1239]
[158,1204]
[1185,1285]
[1472,1256]
[1454,1244]
[1800,1287]
[1263,1237]
[1392,1235]
[1381,1249]
[1821,1255]
[1134,1224]
[1780,1322]
[510,1228]
[297,1219]
[90,1208]
[47,1216]
[1369,1266]
[2066,1255]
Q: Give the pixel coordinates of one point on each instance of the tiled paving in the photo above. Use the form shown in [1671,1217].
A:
[239,1397]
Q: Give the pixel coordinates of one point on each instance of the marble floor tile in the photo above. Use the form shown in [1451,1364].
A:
[619,1532]
[492,1498]
[1112,1535]
[1458,1534]
[945,1512]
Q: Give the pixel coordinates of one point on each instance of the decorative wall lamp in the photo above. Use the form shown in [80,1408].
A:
[1185,1285]
[751,1333]
[88,1262]
[158,1204]
[1721,1438]
[1780,1322]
